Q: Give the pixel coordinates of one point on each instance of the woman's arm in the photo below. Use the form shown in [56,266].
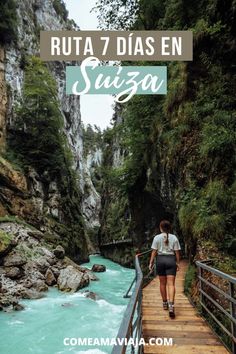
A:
[177,254]
[153,255]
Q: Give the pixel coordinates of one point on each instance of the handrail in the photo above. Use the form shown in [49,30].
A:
[230,296]
[129,329]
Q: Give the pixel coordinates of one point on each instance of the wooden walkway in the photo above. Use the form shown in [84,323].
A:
[190,333]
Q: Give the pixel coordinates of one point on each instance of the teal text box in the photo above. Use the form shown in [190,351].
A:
[120,74]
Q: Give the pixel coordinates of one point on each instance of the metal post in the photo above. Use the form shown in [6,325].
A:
[139,324]
[131,336]
[200,284]
[233,314]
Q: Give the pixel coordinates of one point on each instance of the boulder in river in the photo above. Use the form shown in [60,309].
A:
[98,268]
[71,279]
[92,276]
[50,278]
[9,303]
[18,307]
[91,295]
[39,285]
[31,294]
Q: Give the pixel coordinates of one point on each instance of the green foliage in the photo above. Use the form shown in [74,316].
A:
[92,138]
[8,21]
[39,140]
[40,122]
[13,158]
[190,277]
[5,240]
[117,220]
[15,219]
[113,15]
[186,139]
[60,9]
[208,212]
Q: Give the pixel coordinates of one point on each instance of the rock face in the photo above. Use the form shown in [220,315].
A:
[32,16]
[38,228]
[71,279]
[92,200]
[3,101]
[31,196]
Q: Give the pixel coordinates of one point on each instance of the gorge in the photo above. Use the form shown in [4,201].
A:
[87,191]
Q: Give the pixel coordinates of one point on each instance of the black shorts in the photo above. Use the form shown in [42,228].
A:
[166,265]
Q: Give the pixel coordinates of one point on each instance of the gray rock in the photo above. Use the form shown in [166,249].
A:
[59,252]
[31,294]
[36,234]
[92,276]
[27,283]
[92,295]
[14,260]
[98,268]
[71,279]
[9,303]
[18,307]
[55,271]
[45,252]
[42,264]
[50,278]
[39,285]
[14,272]
[52,261]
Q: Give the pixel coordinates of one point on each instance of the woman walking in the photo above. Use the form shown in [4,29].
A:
[167,248]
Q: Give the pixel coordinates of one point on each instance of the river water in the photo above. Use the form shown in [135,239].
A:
[43,325]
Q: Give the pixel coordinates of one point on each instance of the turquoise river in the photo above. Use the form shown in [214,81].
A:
[43,325]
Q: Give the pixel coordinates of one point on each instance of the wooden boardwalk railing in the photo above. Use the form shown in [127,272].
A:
[190,333]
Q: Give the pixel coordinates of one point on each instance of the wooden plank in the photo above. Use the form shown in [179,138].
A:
[188,321]
[170,333]
[186,349]
[192,341]
[178,327]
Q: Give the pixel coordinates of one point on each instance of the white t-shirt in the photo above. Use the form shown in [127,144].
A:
[158,244]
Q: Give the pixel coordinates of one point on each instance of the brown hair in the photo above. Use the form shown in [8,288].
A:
[166,227]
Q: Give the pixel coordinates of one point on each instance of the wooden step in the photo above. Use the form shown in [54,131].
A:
[186,349]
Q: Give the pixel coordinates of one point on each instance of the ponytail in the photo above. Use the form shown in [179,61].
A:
[165,227]
[167,239]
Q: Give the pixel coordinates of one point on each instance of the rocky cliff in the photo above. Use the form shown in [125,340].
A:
[38,198]
[49,205]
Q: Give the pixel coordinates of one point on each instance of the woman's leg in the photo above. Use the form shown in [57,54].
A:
[171,287]
[163,287]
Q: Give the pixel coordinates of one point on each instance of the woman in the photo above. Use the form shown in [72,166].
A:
[167,248]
